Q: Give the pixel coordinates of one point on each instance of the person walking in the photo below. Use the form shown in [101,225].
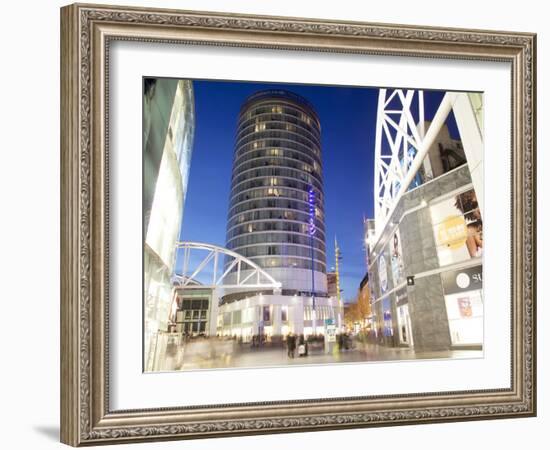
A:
[302,346]
[291,344]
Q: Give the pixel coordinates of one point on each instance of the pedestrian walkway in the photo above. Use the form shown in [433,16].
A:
[243,356]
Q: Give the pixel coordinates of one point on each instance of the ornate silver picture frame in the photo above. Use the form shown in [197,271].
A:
[87,34]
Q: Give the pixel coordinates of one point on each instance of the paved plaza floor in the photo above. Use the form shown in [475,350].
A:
[207,354]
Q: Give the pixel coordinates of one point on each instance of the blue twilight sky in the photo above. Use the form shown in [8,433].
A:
[348,123]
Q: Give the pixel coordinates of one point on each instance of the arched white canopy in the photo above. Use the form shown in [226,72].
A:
[244,272]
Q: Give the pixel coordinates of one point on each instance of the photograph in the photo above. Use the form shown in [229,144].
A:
[296,224]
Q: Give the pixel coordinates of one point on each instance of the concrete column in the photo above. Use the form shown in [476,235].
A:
[472,141]
[213,319]
[297,318]
[276,320]
[430,326]
[257,317]
[427,310]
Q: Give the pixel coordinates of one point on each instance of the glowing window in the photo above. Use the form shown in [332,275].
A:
[260,126]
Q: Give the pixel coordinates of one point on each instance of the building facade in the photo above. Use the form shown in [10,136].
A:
[332,284]
[168,129]
[194,313]
[358,315]
[276,218]
[425,268]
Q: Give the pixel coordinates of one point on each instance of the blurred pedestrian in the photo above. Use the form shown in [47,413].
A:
[302,346]
[291,344]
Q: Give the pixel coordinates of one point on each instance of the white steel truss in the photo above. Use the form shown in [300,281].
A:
[231,271]
[401,145]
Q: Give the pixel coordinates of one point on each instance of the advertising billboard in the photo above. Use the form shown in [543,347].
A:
[458,228]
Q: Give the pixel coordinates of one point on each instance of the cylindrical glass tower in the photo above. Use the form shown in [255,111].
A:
[276,206]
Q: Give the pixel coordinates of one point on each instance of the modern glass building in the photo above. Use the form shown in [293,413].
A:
[276,181]
[168,130]
[276,205]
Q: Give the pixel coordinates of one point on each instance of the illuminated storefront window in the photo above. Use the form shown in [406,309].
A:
[284,313]
[464,303]
[388,323]
[403,317]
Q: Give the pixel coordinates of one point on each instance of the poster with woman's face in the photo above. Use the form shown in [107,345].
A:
[382,273]
[458,228]
[396,257]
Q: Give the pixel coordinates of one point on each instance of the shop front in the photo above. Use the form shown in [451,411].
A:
[403,318]
[463,291]
[387,328]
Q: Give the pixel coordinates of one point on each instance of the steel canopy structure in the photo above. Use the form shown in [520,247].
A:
[243,272]
[402,144]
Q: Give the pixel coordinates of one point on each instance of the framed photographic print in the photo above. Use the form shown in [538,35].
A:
[276,224]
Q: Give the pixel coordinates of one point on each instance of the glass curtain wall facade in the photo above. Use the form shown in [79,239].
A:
[168,129]
[276,218]
[277,190]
